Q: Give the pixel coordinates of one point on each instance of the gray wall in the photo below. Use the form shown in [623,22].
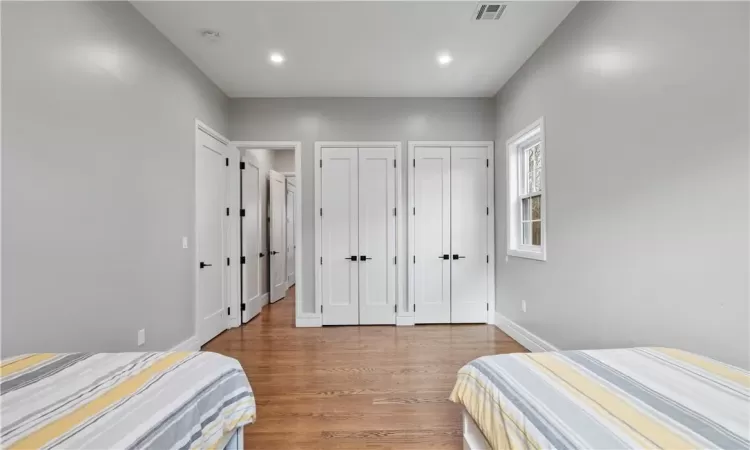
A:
[283,160]
[646,112]
[98,148]
[353,119]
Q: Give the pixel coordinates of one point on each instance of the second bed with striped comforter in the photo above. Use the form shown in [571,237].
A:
[607,399]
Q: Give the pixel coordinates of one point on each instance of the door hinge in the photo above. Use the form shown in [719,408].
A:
[227,211]
[394,260]
[395,309]
[242,260]
[242,307]
[242,165]
[227,261]
[414,211]
[488,210]
[488,306]
[414,163]
[394,163]
[321,212]
[229,311]
[321,309]
[414,307]
[394,211]
[226,161]
[321,166]
[242,212]
[415,259]
[321,260]
[488,259]
[488,162]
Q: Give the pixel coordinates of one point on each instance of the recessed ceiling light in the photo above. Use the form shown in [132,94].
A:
[211,35]
[444,58]
[276,58]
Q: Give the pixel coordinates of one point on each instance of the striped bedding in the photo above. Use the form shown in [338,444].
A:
[174,400]
[607,399]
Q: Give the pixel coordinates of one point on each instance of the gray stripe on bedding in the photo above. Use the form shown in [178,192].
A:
[529,411]
[590,430]
[31,419]
[210,394]
[197,435]
[46,370]
[691,420]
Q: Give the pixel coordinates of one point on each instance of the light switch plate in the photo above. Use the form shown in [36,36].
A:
[523,305]
[184,242]
[141,337]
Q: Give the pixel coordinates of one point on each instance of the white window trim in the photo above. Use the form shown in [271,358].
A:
[513,213]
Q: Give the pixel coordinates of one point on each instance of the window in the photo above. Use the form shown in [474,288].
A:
[526,193]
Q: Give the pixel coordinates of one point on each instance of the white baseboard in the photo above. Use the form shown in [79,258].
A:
[188,345]
[404,321]
[309,321]
[529,340]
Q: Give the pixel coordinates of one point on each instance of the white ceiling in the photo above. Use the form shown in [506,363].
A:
[355,49]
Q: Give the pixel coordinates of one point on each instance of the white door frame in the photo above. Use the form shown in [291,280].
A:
[400,206]
[407,318]
[302,318]
[291,183]
[232,241]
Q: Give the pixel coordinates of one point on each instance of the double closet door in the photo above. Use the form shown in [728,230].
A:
[358,266]
[450,233]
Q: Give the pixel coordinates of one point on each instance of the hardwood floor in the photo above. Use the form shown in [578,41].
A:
[371,387]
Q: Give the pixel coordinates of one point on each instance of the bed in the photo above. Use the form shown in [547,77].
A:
[604,399]
[170,400]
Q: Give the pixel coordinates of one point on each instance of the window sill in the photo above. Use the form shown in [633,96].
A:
[539,256]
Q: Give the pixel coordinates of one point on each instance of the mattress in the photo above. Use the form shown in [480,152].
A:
[179,400]
[607,399]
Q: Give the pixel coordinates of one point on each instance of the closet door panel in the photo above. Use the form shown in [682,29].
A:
[432,233]
[469,235]
[377,236]
[339,240]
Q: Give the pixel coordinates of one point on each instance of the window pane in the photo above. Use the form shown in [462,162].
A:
[536,233]
[526,233]
[536,168]
[536,207]
[525,206]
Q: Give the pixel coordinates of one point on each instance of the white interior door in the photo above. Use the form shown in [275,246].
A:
[432,234]
[469,246]
[339,240]
[211,201]
[277,234]
[251,237]
[377,236]
[291,247]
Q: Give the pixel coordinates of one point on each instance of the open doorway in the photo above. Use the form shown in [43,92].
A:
[271,229]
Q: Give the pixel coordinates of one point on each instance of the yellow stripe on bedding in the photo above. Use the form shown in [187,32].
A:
[619,408]
[127,387]
[720,370]
[12,367]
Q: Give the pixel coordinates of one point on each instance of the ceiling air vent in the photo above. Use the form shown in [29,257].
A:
[489,11]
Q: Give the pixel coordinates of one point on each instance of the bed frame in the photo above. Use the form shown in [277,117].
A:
[236,441]
[473,437]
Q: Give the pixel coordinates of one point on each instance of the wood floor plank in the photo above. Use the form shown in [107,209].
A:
[367,387]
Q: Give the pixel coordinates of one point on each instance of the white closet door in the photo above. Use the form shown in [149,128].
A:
[377,236]
[251,238]
[432,234]
[277,234]
[469,237]
[339,241]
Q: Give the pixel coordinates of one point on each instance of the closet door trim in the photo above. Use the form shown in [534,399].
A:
[407,318]
[400,220]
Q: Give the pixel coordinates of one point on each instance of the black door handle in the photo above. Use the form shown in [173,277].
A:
[274,253]
[351,258]
[202,265]
[458,257]
[444,257]
[364,258]
[262,255]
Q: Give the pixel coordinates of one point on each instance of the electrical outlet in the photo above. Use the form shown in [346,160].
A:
[523,305]
[141,337]
[184,242]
